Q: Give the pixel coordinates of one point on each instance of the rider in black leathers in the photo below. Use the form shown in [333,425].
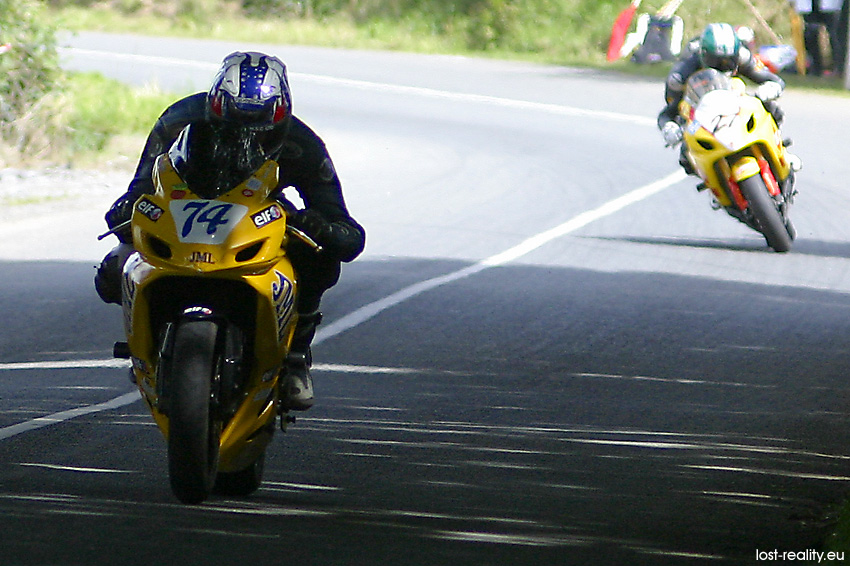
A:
[244,119]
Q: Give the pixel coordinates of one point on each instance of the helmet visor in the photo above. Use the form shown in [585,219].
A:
[723,63]
[250,112]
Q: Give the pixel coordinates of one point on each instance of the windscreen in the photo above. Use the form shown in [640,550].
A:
[703,82]
[214,158]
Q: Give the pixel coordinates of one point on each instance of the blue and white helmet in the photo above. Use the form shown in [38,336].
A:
[251,90]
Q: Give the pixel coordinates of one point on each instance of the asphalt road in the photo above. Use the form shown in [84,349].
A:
[553,351]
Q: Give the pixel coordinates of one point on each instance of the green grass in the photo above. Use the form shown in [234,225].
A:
[103,120]
[104,108]
[410,34]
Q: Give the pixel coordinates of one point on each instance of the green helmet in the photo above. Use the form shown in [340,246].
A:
[719,46]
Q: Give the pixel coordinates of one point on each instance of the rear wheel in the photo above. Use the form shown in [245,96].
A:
[193,436]
[765,210]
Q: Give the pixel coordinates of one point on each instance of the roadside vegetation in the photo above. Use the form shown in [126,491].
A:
[573,32]
[30,106]
[50,116]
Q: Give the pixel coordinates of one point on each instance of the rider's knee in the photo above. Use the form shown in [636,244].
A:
[107,280]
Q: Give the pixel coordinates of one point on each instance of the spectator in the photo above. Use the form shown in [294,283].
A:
[826,14]
[840,51]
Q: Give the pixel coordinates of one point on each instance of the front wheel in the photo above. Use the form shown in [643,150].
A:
[193,436]
[766,213]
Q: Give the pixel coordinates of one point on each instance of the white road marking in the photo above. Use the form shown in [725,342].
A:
[371,310]
[66,364]
[63,416]
[75,468]
[119,363]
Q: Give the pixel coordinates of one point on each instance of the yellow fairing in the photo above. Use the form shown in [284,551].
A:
[205,235]
[729,149]
[234,241]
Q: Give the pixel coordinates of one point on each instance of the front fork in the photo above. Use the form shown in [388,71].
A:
[749,166]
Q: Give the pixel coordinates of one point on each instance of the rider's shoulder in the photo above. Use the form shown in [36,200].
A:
[689,65]
[184,111]
[305,138]
[682,69]
[194,103]
[302,133]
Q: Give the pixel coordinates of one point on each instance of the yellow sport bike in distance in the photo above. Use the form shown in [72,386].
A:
[735,146]
[208,299]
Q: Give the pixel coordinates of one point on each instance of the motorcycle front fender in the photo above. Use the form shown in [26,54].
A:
[745,168]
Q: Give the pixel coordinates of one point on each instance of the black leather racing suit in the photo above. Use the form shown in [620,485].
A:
[304,164]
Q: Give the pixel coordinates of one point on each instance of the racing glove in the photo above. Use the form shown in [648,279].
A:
[768,91]
[311,223]
[119,213]
[342,239]
[672,133]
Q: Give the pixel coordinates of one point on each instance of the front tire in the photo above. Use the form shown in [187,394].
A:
[764,209]
[193,436]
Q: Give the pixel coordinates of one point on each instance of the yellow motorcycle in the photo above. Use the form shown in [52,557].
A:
[735,146]
[209,313]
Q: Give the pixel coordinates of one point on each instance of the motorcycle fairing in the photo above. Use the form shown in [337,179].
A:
[729,133]
[228,255]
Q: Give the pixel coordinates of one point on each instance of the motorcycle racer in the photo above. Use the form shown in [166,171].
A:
[243,120]
[719,48]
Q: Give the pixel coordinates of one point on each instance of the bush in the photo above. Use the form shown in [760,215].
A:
[30,109]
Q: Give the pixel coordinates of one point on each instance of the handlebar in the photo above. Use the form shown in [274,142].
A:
[304,238]
[114,230]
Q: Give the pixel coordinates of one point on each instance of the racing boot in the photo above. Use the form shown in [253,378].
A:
[107,280]
[794,161]
[296,384]
[685,163]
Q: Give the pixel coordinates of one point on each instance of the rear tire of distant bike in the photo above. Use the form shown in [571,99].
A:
[766,213]
[241,483]
[193,436]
